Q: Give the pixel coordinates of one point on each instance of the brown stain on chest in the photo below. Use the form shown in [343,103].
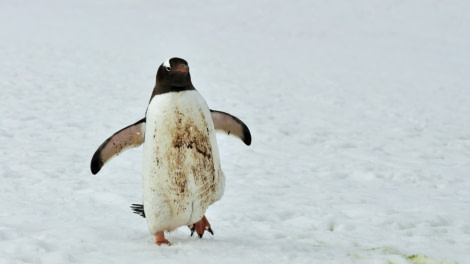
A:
[190,155]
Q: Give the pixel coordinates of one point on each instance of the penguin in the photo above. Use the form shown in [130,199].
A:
[181,172]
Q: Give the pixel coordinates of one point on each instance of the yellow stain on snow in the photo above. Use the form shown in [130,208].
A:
[392,256]
[423,259]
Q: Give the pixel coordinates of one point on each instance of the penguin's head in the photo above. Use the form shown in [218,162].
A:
[174,73]
[172,76]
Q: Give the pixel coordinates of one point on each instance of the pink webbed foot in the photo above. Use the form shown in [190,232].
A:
[201,226]
[160,239]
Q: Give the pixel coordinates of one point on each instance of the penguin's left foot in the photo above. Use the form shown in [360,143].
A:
[201,226]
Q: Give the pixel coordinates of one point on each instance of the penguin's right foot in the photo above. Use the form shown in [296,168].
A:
[160,239]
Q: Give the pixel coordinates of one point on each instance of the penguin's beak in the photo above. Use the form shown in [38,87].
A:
[182,68]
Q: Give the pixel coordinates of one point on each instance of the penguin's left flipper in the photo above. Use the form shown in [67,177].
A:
[231,125]
[129,137]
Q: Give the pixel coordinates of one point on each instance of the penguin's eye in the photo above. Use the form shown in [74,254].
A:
[168,68]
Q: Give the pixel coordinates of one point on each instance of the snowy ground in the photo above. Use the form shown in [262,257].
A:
[359,111]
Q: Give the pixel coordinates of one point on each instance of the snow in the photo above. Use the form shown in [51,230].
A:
[359,112]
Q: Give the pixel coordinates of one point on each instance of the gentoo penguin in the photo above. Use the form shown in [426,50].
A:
[181,170]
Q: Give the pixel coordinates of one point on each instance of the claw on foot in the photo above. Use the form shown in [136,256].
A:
[201,226]
[210,230]
[193,228]
[160,239]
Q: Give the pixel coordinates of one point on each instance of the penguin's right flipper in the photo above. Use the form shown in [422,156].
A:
[129,137]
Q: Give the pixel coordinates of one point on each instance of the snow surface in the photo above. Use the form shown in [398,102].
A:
[359,111]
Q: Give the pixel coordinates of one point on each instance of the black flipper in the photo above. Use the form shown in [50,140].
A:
[231,125]
[129,137]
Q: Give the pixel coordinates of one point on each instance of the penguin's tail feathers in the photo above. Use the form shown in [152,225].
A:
[138,209]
